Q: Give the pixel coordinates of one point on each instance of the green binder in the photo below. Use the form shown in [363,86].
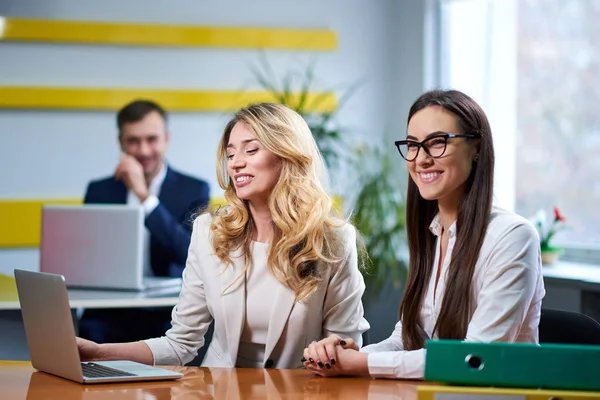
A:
[523,365]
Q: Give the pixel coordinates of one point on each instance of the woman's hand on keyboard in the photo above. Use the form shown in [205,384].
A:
[133,351]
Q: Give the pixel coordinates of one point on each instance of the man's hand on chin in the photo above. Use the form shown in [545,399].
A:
[131,172]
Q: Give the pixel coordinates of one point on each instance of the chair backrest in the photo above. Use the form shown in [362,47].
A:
[568,327]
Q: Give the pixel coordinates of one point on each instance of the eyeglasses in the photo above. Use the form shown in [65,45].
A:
[434,146]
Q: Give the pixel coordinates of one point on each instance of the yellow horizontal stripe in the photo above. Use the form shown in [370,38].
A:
[173,100]
[14,363]
[19,29]
[22,219]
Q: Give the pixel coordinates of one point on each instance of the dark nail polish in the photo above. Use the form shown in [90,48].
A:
[343,342]
[303,360]
[311,360]
[320,364]
[333,361]
[328,366]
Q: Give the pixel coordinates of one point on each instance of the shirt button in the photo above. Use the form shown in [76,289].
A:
[269,363]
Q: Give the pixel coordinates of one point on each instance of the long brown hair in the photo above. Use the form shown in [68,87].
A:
[473,216]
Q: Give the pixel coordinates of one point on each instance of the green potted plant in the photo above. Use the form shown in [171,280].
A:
[294,91]
[378,212]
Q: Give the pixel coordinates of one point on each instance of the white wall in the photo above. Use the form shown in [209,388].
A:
[54,154]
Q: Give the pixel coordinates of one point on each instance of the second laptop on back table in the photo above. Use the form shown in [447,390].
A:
[97,246]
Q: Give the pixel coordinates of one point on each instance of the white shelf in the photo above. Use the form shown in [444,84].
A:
[587,274]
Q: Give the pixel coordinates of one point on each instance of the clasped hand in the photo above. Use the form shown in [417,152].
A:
[334,356]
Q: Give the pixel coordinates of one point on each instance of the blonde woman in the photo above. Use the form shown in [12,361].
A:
[275,269]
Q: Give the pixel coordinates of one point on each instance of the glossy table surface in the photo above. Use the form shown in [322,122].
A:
[18,380]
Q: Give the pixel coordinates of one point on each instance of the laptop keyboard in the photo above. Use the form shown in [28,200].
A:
[91,370]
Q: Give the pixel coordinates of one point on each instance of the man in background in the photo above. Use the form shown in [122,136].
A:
[169,199]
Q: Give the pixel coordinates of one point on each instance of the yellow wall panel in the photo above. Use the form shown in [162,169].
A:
[21,221]
[62,98]
[8,290]
[19,29]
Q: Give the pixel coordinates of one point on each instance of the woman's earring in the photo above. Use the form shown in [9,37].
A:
[476,158]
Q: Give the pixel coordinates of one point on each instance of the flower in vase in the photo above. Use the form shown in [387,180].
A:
[548,230]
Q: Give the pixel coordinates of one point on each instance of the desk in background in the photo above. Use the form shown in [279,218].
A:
[79,298]
[13,344]
[18,380]
[572,286]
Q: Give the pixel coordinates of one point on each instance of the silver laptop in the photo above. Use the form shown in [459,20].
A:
[51,336]
[97,246]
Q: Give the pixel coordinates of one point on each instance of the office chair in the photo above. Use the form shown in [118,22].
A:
[567,327]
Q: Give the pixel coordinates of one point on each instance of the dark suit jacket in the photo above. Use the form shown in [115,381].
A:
[181,196]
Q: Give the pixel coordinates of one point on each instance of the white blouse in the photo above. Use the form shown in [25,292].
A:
[507,292]
[260,286]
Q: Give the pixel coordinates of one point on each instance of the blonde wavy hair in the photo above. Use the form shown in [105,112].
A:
[304,242]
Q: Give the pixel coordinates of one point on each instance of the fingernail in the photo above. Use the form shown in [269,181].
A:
[328,366]
[333,361]
[343,342]
[303,360]
[320,364]
[311,360]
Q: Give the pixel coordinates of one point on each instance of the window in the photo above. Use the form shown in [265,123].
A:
[534,66]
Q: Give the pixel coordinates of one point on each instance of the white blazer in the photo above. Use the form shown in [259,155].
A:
[335,307]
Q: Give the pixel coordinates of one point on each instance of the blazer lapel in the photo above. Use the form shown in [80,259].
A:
[168,189]
[234,299]
[283,303]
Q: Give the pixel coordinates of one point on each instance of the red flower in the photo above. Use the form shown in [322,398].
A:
[558,216]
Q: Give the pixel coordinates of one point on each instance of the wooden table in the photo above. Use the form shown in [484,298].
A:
[19,381]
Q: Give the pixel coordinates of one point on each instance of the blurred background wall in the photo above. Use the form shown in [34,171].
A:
[53,154]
